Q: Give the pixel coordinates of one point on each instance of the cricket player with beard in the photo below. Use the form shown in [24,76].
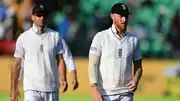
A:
[111,55]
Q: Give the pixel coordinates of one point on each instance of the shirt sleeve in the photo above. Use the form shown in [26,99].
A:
[95,48]
[19,50]
[59,49]
[70,65]
[68,58]
[137,52]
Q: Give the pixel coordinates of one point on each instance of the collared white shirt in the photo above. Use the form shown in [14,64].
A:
[116,57]
[67,55]
[40,64]
[116,33]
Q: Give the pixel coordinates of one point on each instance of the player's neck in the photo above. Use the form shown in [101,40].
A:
[120,32]
[40,29]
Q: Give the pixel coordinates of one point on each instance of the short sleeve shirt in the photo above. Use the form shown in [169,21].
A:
[116,56]
[40,64]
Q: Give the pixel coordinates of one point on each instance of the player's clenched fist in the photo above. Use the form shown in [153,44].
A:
[63,86]
[75,84]
[14,95]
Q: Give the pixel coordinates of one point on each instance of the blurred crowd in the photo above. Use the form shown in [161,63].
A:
[155,22]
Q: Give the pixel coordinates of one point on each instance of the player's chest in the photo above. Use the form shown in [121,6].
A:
[115,49]
[39,44]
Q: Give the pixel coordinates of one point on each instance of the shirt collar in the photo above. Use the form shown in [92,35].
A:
[35,30]
[114,29]
[116,33]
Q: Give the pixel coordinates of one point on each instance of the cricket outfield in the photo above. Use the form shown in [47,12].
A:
[151,88]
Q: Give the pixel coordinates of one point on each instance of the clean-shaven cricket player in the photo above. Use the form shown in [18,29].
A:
[68,58]
[111,55]
[42,50]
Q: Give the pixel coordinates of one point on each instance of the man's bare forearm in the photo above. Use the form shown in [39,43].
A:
[15,70]
[62,68]
[138,74]
[74,74]
[138,70]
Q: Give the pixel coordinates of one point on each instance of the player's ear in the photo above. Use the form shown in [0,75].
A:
[32,17]
[112,16]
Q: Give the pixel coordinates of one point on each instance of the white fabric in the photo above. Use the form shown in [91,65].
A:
[67,55]
[92,69]
[68,58]
[119,97]
[40,64]
[115,70]
[21,70]
[31,95]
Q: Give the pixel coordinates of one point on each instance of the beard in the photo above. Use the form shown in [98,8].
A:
[122,27]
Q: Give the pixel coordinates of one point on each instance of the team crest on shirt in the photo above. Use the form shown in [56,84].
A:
[93,48]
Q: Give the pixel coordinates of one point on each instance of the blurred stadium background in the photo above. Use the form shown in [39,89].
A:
[155,22]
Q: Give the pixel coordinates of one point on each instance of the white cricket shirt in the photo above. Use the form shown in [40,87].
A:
[116,57]
[67,56]
[40,64]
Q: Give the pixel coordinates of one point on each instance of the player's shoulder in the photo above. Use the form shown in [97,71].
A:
[54,34]
[131,35]
[25,34]
[52,31]
[102,34]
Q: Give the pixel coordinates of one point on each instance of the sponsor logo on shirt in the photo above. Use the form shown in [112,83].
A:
[93,48]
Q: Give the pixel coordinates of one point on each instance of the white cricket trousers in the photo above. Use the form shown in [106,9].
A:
[127,97]
[32,95]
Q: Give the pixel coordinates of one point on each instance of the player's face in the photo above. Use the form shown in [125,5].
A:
[39,19]
[120,21]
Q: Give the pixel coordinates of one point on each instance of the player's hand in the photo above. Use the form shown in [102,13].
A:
[14,95]
[97,96]
[132,85]
[63,86]
[75,84]
[19,94]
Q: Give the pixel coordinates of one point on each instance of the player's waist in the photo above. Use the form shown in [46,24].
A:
[45,86]
[121,90]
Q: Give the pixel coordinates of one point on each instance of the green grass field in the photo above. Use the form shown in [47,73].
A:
[153,84]
[81,97]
